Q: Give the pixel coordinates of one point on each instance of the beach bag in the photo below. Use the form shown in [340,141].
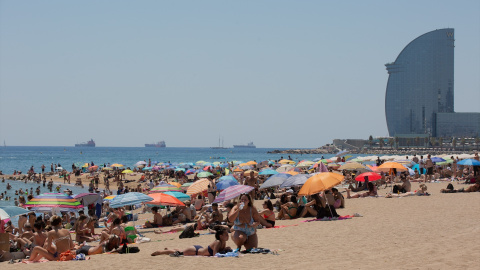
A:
[67,256]
[189,232]
[126,249]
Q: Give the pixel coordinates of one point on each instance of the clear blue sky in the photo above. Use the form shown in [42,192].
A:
[278,73]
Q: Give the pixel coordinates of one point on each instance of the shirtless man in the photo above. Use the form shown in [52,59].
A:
[429,167]
[252,181]
[157,219]
[212,190]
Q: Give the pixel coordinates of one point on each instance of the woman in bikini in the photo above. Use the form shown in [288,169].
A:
[58,241]
[246,219]
[109,245]
[289,210]
[81,230]
[219,245]
[314,206]
[268,214]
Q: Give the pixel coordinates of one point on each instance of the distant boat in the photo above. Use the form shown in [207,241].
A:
[218,147]
[159,144]
[90,143]
[249,145]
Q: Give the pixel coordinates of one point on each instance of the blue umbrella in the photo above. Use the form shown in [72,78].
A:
[12,211]
[437,159]
[469,162]
[226,183]
[296,180]
[226,177]
[130,198]
[275,180]
[268,172]
[179,195]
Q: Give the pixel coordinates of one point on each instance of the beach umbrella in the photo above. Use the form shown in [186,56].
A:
[191,171]
[164,188]
[7,212]
[284,168]
[47,201]
[286,161]
[387,166]
[164,199]
[267,172]
[275,180]
[186,185]
[87,198]
[352,166]
[251,162]
[204,174]
[232,192]
[107,168]
[226,177]
[179,195]
[116,165]
[247,173]
[292,172]
[175,184]
[320,182]
[198,187]
[93,168]
[140,163]
[127,171]
[469,162]
[296,180]
[226,183]
[437,159]
[109,198]
[371,177]
[130,198]
[86,165]
[147,169]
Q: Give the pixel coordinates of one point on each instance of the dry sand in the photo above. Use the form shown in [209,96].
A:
[440,231]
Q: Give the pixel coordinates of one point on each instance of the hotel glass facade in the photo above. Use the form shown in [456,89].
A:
[421,86]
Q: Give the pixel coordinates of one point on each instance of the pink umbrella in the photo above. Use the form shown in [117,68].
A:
[232,192]
[371,177]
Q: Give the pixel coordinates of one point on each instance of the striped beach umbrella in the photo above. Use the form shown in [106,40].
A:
[179,195]
[47,201]
[198,187]
[164,188]
[232,192]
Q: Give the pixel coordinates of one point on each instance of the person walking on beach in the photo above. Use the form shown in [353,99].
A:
[43,168]
[252,181]
[429,167]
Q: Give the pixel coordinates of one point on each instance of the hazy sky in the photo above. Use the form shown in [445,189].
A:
[278,73]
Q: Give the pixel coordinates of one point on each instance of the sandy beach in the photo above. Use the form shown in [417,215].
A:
[440,231]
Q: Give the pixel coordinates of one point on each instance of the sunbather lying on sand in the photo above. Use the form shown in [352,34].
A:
[372,191]
[218,245]
[421,192]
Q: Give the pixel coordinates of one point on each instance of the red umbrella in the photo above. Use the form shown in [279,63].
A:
[371,177]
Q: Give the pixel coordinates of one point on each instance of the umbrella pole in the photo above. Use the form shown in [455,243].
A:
[328,206]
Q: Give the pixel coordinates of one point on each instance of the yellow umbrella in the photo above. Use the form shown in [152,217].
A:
[286,161]
[352,166]
[198,187]
[248,172]
[320,182]
[86,165]
[385,167]
[127,171]
[292,173]
[117,165]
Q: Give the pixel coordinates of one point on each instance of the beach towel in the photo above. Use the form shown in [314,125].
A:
[228,254]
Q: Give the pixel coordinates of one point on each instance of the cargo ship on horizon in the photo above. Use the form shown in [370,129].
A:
[249,145]
[159,144]
[90,143]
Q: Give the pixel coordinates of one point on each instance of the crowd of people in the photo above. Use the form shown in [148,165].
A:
[49,236]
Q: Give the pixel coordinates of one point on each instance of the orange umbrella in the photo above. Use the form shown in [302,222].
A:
[286,161]
[164,199]
[175,184]
[320,182]
[385,167]
[238,170]
[198,187]
[251,162]
[292,172]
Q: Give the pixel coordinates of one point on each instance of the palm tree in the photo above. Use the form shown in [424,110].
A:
[426,141]
[462,142]
[397,140]
[391,142]
[454,143]
[381,142]
[417,141]
[440,141]
[477,140]
[370,141]
[408,143]
[433,142]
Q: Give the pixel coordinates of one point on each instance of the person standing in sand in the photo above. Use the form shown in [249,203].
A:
[429,166]
[252,181]
[212,190]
